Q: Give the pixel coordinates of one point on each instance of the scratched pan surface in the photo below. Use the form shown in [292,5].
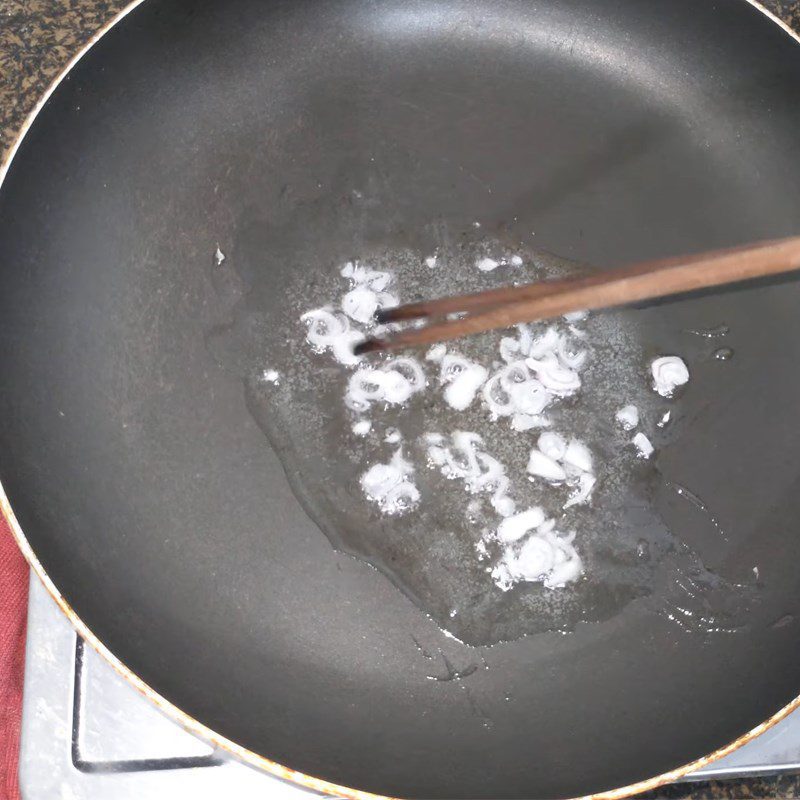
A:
[615,130]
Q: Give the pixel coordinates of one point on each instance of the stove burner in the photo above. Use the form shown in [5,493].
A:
[88,735]
[119,765]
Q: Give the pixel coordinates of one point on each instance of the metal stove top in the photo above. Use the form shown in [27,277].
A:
[88,735]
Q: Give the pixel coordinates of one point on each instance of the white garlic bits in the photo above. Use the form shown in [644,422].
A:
[669,372]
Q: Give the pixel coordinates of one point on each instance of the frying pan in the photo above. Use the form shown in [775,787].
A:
[296,135]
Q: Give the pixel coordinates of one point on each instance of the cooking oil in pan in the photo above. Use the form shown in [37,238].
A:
[436,552]
[723,354]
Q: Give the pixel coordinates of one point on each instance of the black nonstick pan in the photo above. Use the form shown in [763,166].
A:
[168,508]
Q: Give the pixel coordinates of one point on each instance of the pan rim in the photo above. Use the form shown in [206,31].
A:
[184,719]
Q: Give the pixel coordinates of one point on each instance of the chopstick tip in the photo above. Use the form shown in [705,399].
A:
[384,315]
[369,346]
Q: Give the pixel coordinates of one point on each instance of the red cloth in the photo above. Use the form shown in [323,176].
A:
[13,619]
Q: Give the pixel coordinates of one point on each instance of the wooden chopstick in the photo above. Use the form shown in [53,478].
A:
[501,308]
[457,304]
[488,298]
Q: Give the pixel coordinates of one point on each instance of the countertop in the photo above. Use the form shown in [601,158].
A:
[38,37]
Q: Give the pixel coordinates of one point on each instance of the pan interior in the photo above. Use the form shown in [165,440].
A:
[296,137]
[440,551]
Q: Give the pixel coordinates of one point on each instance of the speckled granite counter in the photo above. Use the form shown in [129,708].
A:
[38,37]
